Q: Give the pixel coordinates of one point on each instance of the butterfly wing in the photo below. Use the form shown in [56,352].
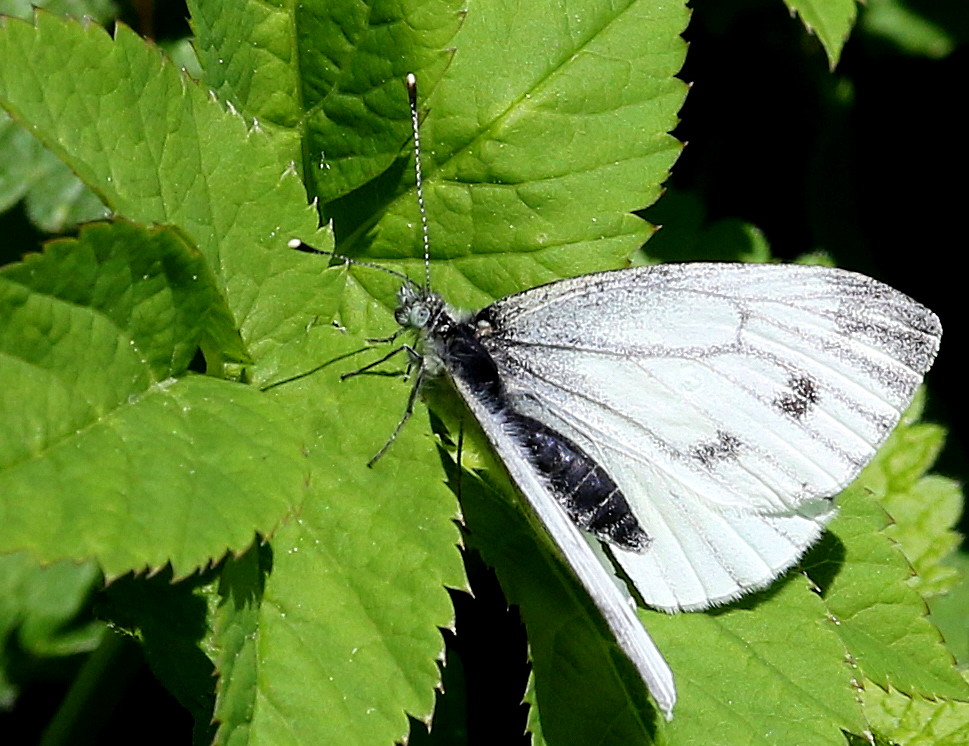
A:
[729,403]
[613,602]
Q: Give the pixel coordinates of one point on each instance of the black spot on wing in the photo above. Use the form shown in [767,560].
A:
[799,398]
[725,447]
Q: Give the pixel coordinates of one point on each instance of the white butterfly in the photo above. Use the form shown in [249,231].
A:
[696,418]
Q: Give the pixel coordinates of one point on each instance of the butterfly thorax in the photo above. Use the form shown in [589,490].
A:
[447,341]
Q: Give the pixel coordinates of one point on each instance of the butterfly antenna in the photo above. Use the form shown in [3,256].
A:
[297,243]
[419,175]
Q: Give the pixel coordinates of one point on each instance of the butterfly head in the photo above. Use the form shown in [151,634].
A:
[417,307]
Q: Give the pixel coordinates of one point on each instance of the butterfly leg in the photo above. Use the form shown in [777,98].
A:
[370,366]
[408,411]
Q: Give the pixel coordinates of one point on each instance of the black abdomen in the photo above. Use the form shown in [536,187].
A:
[593,501]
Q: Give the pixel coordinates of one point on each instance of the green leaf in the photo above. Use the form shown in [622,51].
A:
[156,148]
[924,509]
[234,641]
[342,639]
[534,715]
[325,78]
[100,11]
[880,618]
[104,454]
[41,606]
[726,660]
[914,721]
[831,20]
[533,177]
[55,198]
[450,724]
[159,148]
[880,615]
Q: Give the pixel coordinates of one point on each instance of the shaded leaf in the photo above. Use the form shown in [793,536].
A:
[170,619]
[44,615]
[831,20]
[925,29]
[55,197]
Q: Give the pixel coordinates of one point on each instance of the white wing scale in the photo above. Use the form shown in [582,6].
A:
[727,401]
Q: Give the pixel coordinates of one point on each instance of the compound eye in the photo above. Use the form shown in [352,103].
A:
[420,316]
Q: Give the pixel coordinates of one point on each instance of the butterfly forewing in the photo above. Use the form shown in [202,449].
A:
[728,402]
